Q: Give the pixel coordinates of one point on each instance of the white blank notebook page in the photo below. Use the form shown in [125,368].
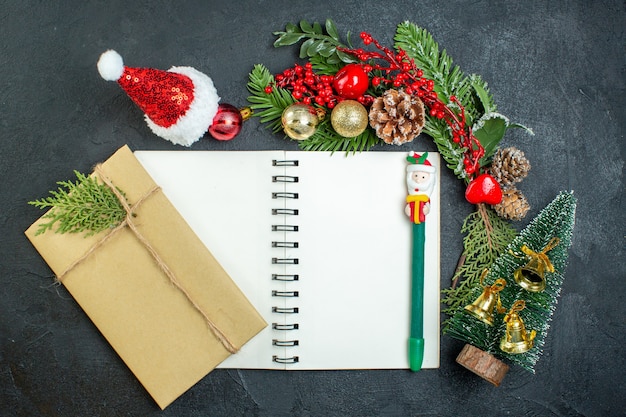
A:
[350,305]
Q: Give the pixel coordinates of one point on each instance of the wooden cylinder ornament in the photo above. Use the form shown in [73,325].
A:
[482,364]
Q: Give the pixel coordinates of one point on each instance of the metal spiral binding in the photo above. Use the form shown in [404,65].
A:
[284,228]
[284,178]
[285,261]
[285,211]
[286,310]
[295,196]
[293,359]
[285,277]
[284,243]
[286,163]
[291,294]
[277,342]
[291,326]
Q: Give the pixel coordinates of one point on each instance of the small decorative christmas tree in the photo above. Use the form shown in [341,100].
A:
[526,281]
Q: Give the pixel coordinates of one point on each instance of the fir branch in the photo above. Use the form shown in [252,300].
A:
[271,105]
[84,206]
[486,237]
[471,91]
[326,139]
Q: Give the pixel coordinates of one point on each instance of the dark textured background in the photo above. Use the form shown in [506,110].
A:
[557,66]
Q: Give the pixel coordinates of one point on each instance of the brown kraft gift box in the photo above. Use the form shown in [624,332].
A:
[151,287]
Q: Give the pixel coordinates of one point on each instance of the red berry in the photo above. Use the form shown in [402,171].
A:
[268,89]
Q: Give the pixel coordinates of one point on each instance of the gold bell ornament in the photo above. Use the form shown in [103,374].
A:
[484,305]
[531,276]
[517,339]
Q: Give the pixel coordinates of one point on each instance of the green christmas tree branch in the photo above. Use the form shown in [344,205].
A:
[486,237]
[268,107]
[471,90]
[82,206]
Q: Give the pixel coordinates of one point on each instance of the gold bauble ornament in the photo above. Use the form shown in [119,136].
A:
[299,121]
[349,118]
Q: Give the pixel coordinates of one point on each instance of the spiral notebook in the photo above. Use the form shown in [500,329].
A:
[319,243]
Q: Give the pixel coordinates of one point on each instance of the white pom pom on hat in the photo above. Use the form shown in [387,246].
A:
[111,65]
[179,104]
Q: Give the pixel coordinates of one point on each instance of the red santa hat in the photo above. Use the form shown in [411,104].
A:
[419,163]
[179,104]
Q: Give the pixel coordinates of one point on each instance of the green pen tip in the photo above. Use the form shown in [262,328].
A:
[416,353]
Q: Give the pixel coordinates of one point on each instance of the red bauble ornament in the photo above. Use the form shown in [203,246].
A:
[226,123]
[484,189]
[351,82]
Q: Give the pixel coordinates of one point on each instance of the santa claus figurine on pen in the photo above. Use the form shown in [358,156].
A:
[420,183]
[180,105]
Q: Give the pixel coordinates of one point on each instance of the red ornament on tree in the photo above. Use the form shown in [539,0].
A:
[351,81]
[484,189]
[226,123]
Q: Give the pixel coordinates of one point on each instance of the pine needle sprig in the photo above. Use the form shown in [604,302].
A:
[326,139]
[82,206]
[486,236]
[271,105]
[471,91]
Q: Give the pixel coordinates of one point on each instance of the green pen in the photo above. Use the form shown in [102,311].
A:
[416,339]
[420,183]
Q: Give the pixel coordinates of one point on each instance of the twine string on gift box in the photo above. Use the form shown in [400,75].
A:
[128,222]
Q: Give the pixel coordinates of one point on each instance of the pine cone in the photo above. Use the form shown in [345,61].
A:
[509,166]
[397,117]
[513,206]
